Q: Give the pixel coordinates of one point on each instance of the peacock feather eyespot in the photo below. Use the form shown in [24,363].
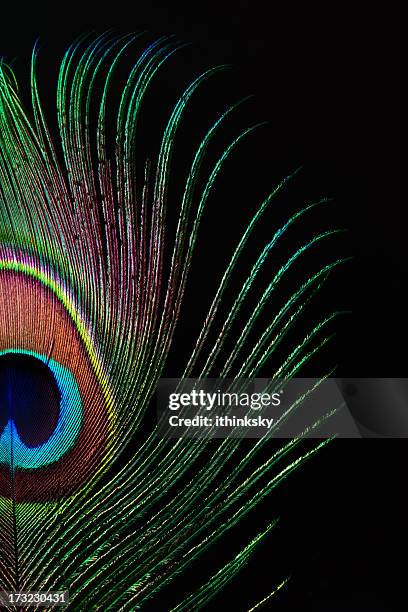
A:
[54,402]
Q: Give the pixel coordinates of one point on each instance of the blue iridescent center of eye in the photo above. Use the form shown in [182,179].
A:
[40,410]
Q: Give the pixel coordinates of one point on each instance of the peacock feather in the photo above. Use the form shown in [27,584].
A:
[93,277]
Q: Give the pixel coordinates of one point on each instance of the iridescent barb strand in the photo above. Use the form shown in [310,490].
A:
[89,287]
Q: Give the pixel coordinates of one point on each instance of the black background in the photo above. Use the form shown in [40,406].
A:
[330,82]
